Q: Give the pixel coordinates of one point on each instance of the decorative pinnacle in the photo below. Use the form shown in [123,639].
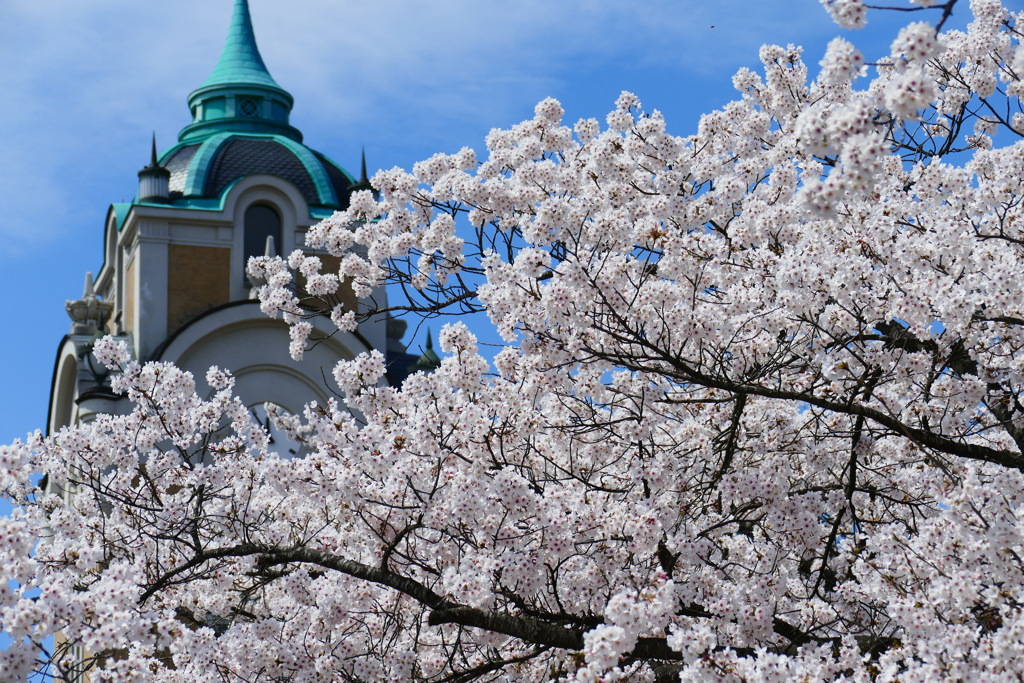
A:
[428,360]
[364,181]
[154,162]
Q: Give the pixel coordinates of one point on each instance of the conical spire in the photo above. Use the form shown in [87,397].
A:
[154,162]
[239,96]
[240,62]
[364,181]
[428,360]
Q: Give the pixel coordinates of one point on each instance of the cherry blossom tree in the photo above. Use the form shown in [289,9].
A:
[758,416]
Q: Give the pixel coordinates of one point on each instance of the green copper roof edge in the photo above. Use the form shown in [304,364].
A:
[319,213]
[166,155]
[200,163]
[192,133]
[332,162]
[122,209]
[240,87]
[243,76]
[316,171]
[218,203]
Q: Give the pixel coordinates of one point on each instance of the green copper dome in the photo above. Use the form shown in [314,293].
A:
[240,96]
[240,128]
[208,168]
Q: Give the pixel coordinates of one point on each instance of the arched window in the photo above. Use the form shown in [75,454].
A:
[261,222]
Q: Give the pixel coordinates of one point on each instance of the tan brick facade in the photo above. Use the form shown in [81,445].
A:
[198,278]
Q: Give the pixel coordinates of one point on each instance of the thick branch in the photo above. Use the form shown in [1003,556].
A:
[528,630]
[685,373]
[445,611]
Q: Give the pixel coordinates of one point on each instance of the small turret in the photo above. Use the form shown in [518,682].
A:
[154,180]
[428,360]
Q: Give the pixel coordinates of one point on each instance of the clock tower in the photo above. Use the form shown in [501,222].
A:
[239,180]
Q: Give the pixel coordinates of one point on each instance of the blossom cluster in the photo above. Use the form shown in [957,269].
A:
[759,415]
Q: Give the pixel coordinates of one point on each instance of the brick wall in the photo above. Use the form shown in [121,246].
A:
[198,278]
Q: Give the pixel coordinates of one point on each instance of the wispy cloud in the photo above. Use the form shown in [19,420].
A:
[86,82]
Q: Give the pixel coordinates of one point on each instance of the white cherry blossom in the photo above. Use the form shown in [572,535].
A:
[759,415]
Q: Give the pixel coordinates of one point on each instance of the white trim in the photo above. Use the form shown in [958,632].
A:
[254,348]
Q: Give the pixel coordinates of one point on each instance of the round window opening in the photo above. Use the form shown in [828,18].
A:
[248,108]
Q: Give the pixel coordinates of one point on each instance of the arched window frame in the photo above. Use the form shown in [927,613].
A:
[281,196]
[260,220]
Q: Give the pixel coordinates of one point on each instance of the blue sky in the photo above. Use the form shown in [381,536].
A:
[85,84]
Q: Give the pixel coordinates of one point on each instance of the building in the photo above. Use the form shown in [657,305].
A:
[173,285]
[173,281]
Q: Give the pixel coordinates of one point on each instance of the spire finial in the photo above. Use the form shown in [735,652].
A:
[240,62]
[364,180]
[428,360]
[240,96]
[152,159]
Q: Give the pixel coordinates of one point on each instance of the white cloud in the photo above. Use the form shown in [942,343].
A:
[86,82]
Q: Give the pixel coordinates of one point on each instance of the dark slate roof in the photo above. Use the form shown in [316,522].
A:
[220,161]
[340,181]
[245,156]
[178,166]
